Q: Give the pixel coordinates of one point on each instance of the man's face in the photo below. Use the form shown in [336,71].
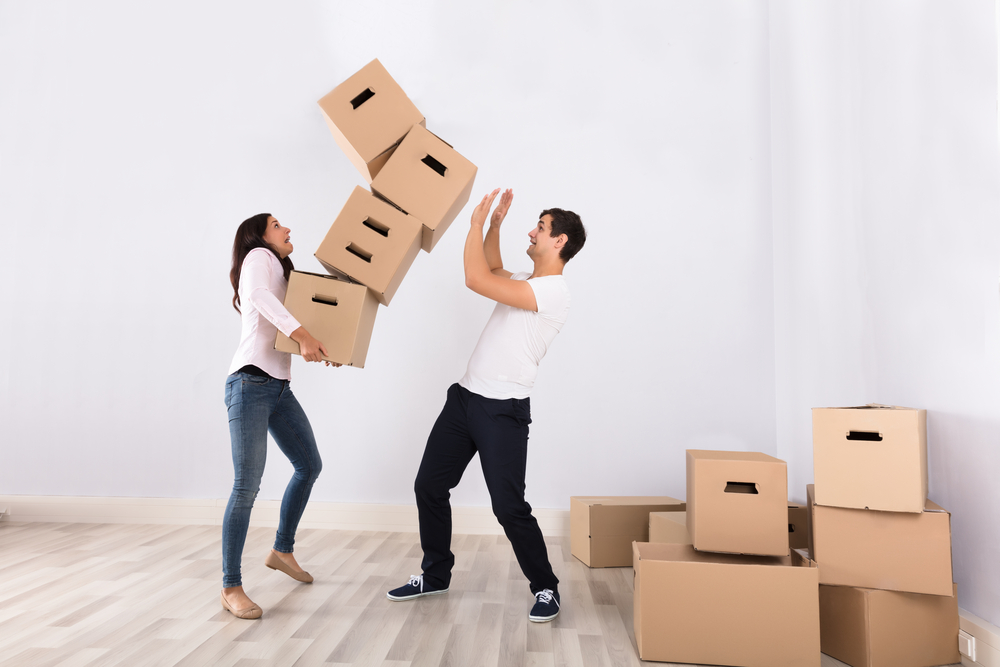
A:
[542,243]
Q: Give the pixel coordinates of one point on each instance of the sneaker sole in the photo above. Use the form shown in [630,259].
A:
[542,619]
[416,595]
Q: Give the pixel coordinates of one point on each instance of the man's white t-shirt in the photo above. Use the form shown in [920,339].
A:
[505,361]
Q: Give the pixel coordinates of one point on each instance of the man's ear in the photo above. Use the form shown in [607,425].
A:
[561,241]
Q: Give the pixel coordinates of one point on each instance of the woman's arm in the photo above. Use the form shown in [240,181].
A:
[255,278]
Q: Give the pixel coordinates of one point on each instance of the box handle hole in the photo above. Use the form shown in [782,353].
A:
[864,435]
[376,227]
[358,252]
[325,300]
[363,97]
[435,165]
[741,487]
[791,528]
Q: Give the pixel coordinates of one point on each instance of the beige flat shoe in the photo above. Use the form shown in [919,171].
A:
[251,613]
[275,563]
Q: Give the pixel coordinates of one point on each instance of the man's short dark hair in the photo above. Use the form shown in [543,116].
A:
[568,223]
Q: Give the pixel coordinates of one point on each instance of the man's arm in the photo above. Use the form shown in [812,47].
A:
[492,244]
[479,278]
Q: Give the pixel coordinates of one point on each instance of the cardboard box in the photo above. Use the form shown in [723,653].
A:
[372,242]
[737,502]
[669,527]
[870,457]
[338,313]
[798,527]
[428,179]
[895,551]
[724,609]
[602,528]
[872,628]
[369,114]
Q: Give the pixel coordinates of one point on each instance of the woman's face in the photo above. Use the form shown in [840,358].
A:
[278,237]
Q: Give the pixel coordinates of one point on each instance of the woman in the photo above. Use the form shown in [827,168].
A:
[260,400]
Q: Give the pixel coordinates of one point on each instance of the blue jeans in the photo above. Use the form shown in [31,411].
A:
[258,405]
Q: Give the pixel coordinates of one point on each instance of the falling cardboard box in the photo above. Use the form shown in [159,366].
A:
[894,551]
[737,502]
[668,528]
[368,115]
[870,457]
[372,242]
[428,179]
[872,628]
[602,528]
[338,313]
[725,609]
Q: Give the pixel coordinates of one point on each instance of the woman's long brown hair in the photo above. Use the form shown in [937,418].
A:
[250,235]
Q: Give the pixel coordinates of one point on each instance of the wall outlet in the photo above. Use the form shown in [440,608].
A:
[967,645]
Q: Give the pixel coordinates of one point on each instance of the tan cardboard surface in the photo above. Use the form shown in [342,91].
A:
[725,609]
[670,527]
[428,179]
[368,115]
[602,528]
[345,329]
[870,457]
[898,551]
[798,527]
[737,502]
[372,242]
[875,628]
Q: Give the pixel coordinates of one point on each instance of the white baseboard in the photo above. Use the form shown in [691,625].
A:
[987,638]
[335,516]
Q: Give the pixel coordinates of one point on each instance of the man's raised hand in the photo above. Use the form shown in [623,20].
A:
[498,215]
[479,215]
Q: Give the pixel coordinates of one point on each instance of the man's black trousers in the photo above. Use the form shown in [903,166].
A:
[498,430]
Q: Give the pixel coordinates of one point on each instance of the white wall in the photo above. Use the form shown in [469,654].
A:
[743,168]
[887,242]
[135,139]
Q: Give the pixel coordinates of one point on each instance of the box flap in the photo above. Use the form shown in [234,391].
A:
[675,517]
[931,506]
[718,455]
[579,533]
[686,553]
[870,406]
[628,500]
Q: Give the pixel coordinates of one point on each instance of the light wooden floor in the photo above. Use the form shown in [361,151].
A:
[81,595]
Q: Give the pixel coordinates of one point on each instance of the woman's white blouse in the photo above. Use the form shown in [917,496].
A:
[262,291]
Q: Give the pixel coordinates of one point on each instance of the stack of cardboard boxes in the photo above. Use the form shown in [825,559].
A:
[725,588]
[883,549]
[419,184]
[715,579]
[738,576]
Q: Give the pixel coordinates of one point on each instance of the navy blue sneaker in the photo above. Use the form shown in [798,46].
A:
[415,589]
[546,606]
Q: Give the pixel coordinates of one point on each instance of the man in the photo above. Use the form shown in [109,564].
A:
[488,410]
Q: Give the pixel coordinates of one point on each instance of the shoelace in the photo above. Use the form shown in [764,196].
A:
[417,581]
[546,596]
